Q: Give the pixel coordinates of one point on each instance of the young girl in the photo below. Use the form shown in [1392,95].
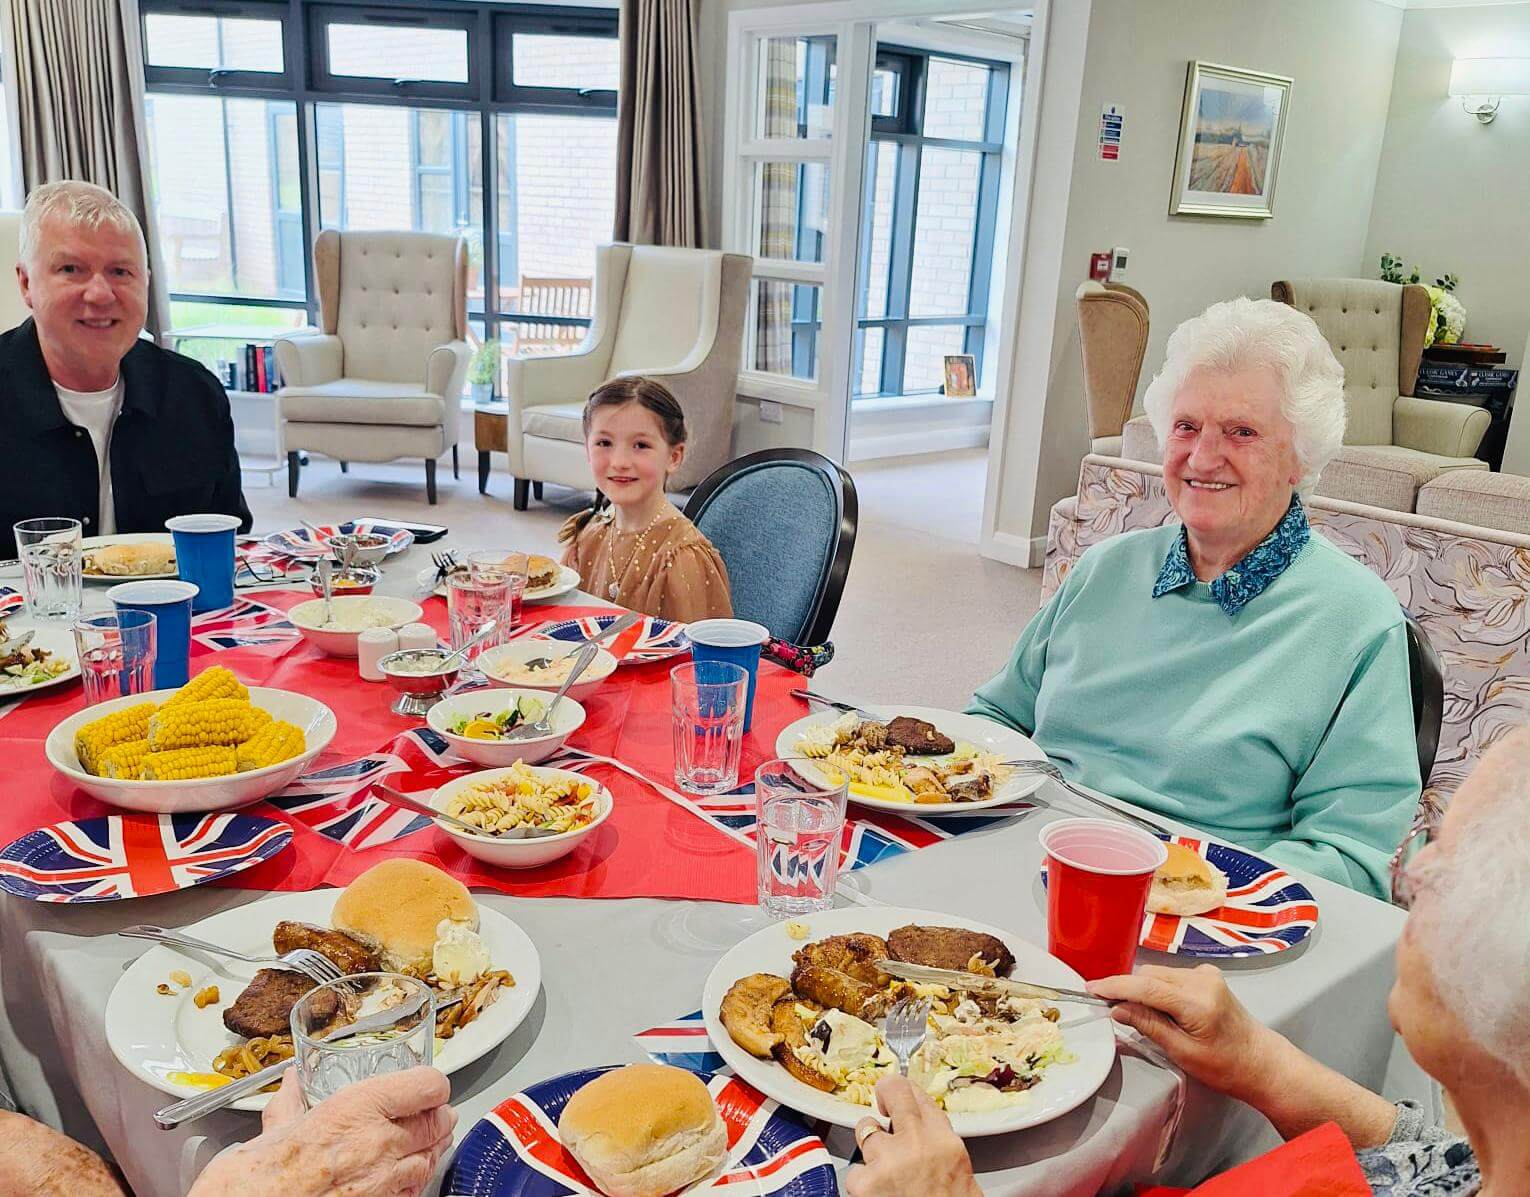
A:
[634,546]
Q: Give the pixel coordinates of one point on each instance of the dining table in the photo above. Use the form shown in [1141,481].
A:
[615,967]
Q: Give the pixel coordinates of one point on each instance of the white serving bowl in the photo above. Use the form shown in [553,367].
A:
[518,652]
[203,793]
[307,617]
[519,854]
[566,720]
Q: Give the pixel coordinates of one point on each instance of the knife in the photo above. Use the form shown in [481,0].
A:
[976,982]
[203,1104]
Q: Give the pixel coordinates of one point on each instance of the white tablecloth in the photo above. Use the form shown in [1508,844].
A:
[612,968]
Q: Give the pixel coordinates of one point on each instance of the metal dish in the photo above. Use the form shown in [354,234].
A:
[357,580]
[417,692]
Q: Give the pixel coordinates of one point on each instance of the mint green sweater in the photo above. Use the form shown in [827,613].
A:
[1286,728]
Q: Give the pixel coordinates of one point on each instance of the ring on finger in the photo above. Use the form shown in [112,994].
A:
[864,1130]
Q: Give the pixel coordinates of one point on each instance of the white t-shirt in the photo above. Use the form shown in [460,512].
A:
[95,412]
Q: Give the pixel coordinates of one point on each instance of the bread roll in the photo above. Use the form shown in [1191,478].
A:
[1187,883]
[124,560]
[644,1130]
[395,907]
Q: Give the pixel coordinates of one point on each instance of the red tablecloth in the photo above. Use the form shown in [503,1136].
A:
[1320,1163]
[657,843]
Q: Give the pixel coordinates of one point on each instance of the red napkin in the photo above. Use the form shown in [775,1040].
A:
[1320,1163]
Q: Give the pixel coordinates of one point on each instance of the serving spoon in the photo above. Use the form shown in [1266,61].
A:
[398,798]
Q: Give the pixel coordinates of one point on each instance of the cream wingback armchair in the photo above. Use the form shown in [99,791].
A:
[383,378]
[676,315]
[1395,442]
[1112,338]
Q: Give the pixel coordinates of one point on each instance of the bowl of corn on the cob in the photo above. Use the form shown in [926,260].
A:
[213,744]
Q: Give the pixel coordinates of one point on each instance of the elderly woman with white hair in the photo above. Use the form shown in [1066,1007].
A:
[1231,670]
[1461,1003]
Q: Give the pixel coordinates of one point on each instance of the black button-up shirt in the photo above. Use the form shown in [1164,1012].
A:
[172,446]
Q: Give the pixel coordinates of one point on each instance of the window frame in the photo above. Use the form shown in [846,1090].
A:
[905,131]
[489,92]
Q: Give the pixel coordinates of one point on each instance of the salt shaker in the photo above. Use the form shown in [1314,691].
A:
[416,635]
[371,647]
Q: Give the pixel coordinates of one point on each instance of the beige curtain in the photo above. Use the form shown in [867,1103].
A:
[660,155]
[79,84]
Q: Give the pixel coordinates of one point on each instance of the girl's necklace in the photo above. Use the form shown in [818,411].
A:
[637,547]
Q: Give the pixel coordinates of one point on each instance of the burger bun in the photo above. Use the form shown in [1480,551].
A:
[1187,884]
[644,1130]
[396,906]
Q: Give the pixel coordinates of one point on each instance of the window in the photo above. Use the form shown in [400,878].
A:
[931,199]
[269,120]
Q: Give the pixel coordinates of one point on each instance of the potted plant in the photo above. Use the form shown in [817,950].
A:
[483,372]
[1449,320]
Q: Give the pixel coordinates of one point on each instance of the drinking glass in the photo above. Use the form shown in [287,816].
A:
[51,564]
[471,603]
[800,821]
[494,564]
[708,709]
[116,654]
[1099,873]
[326,1068]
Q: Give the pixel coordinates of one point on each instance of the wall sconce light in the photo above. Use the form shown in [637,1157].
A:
[1482,82]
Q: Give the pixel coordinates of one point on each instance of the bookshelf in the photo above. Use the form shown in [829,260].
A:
[244,335]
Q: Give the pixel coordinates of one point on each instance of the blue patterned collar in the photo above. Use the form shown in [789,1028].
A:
[1252,576]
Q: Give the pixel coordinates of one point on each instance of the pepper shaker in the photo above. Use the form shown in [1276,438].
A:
[371,647]
[416,635]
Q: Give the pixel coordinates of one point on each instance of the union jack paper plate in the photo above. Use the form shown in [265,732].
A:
[10,600]
[658,641]
[306,544]
[1267,910]
[515,1152]
[133,856]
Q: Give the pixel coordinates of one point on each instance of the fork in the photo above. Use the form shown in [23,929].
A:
[905,1027]
[314,965]
[1048,769]
[444,562]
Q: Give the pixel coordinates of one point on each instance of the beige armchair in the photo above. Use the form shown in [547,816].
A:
[1112,337]
[383,378]
[13,309]
[1395,442]
[676,315]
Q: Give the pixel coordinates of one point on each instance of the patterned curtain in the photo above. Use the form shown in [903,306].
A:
[778,209]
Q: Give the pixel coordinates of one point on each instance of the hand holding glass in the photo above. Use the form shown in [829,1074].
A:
[325,1068]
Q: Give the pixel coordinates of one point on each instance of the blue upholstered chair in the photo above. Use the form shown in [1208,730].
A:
[784,521]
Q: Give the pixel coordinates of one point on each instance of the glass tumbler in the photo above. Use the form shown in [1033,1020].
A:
[325,1068]
[799,823]
[708,722]
[493,564]
[471,603]
[117,654]
[51,566]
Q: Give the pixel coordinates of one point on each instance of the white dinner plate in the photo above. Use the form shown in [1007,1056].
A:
[1086,1029]
[101,542]
[983,734]
[153,1035]
[568,580]
[58,641]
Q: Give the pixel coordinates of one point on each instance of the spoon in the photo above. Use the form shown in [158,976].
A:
[327,580]
[617,627]
[543,726]
[398,798]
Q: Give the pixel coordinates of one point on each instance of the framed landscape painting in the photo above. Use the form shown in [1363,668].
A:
[1229,142]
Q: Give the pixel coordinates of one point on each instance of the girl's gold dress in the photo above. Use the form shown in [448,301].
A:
[671,570]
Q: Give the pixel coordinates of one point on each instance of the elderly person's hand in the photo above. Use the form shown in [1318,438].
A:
[1196,1020]
[920,1157]
[377,1138]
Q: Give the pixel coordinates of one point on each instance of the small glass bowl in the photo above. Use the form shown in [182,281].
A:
[357,580]
[417,692]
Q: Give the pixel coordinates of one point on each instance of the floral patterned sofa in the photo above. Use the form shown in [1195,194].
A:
[1468,586]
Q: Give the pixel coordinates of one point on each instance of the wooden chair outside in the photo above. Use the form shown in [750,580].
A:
[547,296]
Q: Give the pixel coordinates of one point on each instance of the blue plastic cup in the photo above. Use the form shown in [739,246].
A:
[204,556]
[735,641]
[170,603]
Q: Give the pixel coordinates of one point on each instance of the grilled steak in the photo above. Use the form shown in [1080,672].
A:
[856,954]
[265,1006]
[918,738]
[948,947]
[347,954]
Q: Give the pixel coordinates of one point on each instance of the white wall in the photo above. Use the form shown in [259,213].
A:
[1452,194]
[1340,54]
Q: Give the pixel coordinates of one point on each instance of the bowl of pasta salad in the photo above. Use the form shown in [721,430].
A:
[529,815]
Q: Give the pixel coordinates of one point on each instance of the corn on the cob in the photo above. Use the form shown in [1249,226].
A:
[131,723]
[226,721]
[123,761]
[216,682]
[276,742]
[181,763]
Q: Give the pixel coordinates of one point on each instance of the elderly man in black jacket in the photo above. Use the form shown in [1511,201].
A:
[100,424]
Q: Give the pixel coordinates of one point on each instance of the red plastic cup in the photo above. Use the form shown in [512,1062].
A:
[1098,877]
